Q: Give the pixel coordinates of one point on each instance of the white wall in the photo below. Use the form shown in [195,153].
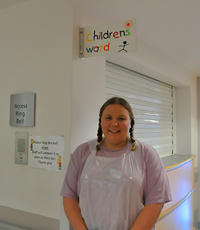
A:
[88,94]
[197,189]
[183,122]
[36,55]
[186,119]
[194,118]
[88,90]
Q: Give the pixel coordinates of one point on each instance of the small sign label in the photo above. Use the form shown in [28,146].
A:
[22,109]
[109,39]
[46,152]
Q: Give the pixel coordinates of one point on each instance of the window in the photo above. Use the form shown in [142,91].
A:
[152,102]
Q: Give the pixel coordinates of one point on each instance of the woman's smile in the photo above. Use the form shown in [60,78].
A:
[114,131]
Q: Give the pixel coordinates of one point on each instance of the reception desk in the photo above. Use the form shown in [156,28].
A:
[177,214]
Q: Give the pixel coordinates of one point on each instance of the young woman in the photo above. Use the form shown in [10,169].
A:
[115,182]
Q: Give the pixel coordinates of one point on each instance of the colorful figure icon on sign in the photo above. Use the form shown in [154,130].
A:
[123,46]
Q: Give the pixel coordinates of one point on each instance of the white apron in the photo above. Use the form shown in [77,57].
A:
[110,191]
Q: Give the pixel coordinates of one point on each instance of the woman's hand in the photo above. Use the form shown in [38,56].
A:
[73,213]
[147,217]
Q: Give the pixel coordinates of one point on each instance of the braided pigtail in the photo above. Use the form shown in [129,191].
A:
[133,148]
[99,136]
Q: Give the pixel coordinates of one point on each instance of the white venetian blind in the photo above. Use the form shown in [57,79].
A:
[152,104]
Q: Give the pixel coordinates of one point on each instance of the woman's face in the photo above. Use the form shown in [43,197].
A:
[115,124]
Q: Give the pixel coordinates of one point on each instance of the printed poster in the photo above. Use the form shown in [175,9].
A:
[46,152]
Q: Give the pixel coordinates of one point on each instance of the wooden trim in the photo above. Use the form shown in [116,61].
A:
[27,220]
[169,210]
[179,164]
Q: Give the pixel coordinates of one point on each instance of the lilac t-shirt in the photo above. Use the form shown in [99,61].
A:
[155,187]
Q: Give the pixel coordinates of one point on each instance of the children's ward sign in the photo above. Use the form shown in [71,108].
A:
[46,152]
[109,39]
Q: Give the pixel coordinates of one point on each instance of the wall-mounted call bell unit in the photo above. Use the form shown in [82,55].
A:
[21,148]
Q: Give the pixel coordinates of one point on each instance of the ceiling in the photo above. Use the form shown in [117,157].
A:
[170,28]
